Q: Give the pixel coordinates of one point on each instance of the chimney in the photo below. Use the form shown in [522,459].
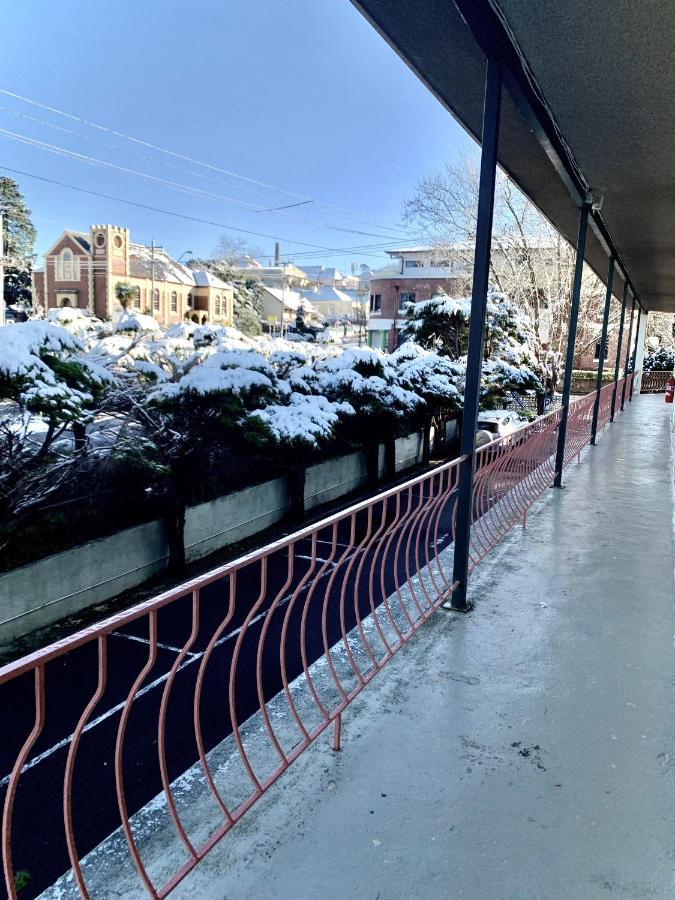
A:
[277,254]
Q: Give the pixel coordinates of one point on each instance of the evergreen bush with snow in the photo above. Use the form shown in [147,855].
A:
[510,364]
[661,360]
[178,412]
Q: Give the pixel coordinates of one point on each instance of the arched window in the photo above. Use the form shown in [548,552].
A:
[174,301]
[217,304]
[137,297]
[155,298]
[66,266]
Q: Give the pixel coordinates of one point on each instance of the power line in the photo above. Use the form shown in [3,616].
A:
[160,162]
[168,212]
[190,159]
[81,157]
[164,164]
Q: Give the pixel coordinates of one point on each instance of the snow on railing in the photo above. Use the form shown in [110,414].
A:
[218,685]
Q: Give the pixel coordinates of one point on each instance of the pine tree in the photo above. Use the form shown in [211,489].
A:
[247,300]
[18,240]
[247,307]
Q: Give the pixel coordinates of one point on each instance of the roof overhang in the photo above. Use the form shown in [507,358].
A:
[588,105]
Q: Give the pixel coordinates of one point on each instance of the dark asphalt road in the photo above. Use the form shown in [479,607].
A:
[38,833]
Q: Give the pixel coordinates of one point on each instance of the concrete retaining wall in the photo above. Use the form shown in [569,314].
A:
[66,583]
[232,518]
[334,478]
[61,585]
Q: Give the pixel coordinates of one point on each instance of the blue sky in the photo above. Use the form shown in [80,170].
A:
[304,96]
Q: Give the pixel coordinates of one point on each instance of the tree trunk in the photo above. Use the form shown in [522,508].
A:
[79,436]
[371,450]
[389,456]
[47,442]
[296,487]
[176,507]
[439,449]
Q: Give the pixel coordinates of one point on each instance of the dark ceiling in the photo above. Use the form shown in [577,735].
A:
[607,76]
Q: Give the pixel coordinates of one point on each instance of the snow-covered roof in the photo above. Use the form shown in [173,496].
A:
[82,239]
[204,278]
[245,262]
[535,243]
[328,294]
[165,268]
[330,273]
[290,299]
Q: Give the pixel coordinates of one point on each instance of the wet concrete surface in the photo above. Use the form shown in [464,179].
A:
[522,751]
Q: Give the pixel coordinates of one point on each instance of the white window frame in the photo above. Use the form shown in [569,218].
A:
[67,258]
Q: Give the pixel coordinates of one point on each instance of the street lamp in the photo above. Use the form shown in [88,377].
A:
[184,253]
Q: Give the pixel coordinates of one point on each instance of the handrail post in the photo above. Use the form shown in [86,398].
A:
[637,332]
[481,268]
[603,343]
[628,342]
[618,350]
[571,339]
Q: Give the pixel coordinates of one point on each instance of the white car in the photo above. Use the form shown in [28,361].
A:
[499,422]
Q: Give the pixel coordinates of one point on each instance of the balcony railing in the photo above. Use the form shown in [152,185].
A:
[259,657]
[654,382]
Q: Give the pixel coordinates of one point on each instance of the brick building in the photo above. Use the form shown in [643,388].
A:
[418,274]
[83,271]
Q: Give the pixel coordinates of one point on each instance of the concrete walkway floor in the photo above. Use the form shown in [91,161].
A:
[523,751]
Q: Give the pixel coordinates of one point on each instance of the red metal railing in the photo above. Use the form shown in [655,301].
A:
[242,669]
[654,382]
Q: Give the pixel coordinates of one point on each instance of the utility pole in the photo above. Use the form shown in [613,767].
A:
[2,270]
[152,277]
[283,295]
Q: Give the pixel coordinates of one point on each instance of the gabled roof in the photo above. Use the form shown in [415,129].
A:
[204,278]
[330,273]
[77,237]
[82,239]
[328,294]
[290,299]
[165,268]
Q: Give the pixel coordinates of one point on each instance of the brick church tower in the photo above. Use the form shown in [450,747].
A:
[110,264]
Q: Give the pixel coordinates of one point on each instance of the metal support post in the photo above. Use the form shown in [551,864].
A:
[481,267]
[628,343]
[603,343]
[640,349]
[571,339]
[618,350]
[637,332]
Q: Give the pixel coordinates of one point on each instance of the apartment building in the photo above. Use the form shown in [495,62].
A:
[416,273]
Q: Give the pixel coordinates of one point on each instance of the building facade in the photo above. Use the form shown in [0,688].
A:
[84,271]
[332,303]
[417,274]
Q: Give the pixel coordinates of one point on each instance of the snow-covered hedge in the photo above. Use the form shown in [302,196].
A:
[661,360]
